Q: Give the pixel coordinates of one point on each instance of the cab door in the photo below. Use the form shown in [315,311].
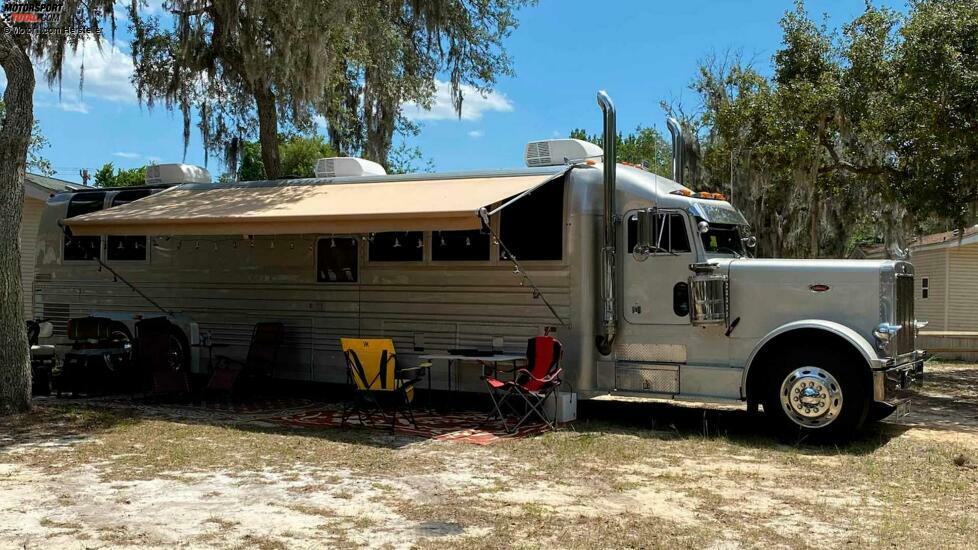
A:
[656,273]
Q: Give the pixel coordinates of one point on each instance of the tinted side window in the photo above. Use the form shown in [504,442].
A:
[336,260]
[670,233]
[678,238]
[83,248]
[448,246]
[127,247]
[533,227]
[397,246]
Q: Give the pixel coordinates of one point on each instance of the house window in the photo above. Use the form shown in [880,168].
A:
[126,247]
[669,234]
[453,246]
[79,247]
[397,246]
[532,228]
[924,287]
[336,260]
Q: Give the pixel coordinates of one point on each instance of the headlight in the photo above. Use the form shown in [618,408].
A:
[885,333]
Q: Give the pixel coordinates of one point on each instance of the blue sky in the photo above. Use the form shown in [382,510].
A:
[641,52]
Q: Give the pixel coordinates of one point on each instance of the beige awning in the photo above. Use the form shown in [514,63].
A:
[291,208]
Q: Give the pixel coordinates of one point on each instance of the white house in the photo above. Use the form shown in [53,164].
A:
[37,190]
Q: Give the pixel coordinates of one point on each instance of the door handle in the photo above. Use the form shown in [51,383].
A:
[637,309]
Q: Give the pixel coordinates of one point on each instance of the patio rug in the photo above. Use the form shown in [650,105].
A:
[209,411]
[464,426]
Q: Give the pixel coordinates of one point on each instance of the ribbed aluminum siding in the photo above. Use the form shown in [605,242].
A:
[28,251]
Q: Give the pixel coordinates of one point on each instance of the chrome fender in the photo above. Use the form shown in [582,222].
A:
[854,338]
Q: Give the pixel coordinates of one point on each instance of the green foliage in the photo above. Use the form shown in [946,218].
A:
[35,159]
[251,167]
[645,146]
[932,123]
[248,65]
[873,127]
[109,176]
[404,159]
[298,154]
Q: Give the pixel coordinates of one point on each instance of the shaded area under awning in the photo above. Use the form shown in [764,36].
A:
[302,207]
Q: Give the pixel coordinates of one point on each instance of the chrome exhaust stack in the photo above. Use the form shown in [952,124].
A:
[609,312]
[678,149]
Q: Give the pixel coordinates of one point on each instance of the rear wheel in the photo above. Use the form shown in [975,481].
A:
[815,392]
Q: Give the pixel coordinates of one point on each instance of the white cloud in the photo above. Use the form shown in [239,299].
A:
[107,74]
[476,134]
[127,155]
[74,107]
[557,134]
[71,106]
[474,104]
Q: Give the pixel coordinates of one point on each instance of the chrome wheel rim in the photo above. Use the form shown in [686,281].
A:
[811,397]
[174,358]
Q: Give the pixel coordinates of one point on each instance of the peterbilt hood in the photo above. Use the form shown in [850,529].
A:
[766,294]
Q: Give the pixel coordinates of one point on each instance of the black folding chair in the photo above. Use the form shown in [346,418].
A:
[266,339]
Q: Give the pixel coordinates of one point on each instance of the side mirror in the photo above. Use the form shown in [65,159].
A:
[646,229]
[750,242]
[703,226]
[46,329]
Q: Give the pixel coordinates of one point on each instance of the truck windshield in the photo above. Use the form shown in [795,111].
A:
[723,239]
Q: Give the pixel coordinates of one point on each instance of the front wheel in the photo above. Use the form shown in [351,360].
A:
[816,392]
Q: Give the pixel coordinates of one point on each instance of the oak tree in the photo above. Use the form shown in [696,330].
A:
[21,44]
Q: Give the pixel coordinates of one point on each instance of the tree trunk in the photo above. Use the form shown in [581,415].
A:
[15,369]
[268,133]
[380,119]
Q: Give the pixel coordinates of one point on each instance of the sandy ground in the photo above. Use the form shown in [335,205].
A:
[73,476]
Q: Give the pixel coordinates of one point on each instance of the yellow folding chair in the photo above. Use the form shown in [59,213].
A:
[379,384]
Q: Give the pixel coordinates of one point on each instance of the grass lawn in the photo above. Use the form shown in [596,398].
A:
[625,474]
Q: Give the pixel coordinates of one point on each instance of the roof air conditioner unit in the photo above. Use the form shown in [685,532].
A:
[338,167]
[557,152]
[176,173]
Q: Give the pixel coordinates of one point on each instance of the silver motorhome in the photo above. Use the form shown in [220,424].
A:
[648,284]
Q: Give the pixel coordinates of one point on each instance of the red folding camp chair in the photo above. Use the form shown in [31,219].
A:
[228,373]
[159,358]
[530,386]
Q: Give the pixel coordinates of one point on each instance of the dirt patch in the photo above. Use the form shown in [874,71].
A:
[87,476]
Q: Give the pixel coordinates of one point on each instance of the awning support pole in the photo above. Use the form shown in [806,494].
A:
[133,287]
[517,269]
[521,195]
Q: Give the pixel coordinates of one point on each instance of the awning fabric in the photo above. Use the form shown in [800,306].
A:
[289,208]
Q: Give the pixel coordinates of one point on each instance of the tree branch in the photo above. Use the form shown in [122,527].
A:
[839,165]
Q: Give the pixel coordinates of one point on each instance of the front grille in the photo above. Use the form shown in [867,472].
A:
[904,314]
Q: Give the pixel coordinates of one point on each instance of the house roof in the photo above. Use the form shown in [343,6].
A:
[956,237]
[42,187]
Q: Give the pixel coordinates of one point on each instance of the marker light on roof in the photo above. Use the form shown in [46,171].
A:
[709,195]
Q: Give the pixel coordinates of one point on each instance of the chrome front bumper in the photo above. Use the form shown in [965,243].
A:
[893,384]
